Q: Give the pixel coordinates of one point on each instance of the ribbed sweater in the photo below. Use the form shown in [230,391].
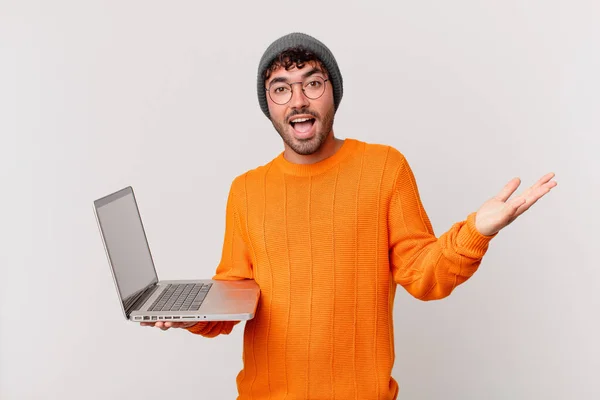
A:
[327,243]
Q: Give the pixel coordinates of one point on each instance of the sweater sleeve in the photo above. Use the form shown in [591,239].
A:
[235,264]
[429,268]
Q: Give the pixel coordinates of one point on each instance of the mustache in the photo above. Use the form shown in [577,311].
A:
[304,111]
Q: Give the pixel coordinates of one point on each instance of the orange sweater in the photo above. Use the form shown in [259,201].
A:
[327,243]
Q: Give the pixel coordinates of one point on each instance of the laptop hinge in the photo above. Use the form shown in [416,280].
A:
[136,300]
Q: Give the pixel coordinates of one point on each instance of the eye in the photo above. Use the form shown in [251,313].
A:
[279,89]
[313,84]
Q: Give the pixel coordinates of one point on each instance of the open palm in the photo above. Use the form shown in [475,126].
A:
[498,212]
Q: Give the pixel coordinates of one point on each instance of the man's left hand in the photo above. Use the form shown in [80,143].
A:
[498,212]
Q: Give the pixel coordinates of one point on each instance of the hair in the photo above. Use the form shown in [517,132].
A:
[293,57]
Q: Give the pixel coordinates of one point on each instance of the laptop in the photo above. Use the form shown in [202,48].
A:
[142,295]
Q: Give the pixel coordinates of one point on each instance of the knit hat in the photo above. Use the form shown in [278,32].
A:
[309,43]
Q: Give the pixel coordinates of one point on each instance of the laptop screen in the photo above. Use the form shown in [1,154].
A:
[125,242]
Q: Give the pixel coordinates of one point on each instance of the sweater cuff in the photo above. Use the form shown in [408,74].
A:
[199,328]
[471,240]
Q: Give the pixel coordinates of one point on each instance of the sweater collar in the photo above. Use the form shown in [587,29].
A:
[348,147]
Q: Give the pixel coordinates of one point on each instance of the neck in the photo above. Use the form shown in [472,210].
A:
[327,149]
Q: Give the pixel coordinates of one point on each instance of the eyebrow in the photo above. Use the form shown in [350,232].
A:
[311,72]
[304,76]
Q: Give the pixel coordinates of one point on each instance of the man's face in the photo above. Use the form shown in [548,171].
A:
[303,138]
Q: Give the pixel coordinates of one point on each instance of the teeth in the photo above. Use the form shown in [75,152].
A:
[301,120]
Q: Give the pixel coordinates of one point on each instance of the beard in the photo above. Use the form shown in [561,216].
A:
[311,145]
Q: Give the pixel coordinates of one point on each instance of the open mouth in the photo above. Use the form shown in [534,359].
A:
[302,125]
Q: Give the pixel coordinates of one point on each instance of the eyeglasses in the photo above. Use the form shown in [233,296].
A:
[281,92]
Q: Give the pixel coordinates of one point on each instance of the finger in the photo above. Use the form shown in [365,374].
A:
[516,203]
[508,189]
[550,184]
[513,208]
[533,193]
[162,325]
[543,180]
[532,198]
[539,192]
[182,324]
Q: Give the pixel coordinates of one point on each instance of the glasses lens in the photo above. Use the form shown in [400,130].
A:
[314,87]
[280,92]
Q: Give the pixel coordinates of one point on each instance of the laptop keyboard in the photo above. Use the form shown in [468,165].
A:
[181,297]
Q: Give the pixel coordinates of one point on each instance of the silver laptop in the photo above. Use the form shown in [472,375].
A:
[145,298]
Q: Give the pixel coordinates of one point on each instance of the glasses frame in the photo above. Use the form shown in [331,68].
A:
[268,90]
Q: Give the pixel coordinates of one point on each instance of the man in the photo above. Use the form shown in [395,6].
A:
[327,229]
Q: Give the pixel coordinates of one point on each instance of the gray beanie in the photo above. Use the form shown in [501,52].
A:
[309,43]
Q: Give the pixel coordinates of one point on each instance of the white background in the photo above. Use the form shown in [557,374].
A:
[98,95]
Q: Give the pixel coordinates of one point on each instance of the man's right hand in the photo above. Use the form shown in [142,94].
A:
[165,325]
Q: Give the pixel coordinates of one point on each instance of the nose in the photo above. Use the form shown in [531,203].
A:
[298,100]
